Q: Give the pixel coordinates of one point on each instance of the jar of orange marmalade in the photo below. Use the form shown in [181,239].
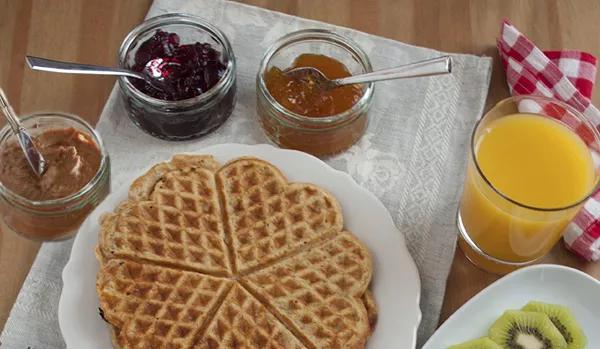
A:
[292,115]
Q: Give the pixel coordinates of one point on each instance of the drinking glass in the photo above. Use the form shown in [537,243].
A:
[498,233]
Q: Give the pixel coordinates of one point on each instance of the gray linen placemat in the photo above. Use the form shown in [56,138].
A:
[411,157]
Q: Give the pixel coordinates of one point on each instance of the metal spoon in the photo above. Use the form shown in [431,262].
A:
[428,67]
[32,154]
[153,72]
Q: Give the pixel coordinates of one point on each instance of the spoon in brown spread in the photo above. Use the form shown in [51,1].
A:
[32,154]
[428,67]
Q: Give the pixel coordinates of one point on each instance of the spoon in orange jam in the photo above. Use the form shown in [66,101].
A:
[428,67]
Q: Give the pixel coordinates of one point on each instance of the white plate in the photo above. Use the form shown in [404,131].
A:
[396,283]
[548,283]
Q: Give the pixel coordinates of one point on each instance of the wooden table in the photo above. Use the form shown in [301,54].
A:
[91,31]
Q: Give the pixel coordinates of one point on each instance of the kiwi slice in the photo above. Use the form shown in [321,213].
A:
[563,320]
[480,343]
[526,330]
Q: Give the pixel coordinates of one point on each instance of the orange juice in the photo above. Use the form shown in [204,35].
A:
[531,160]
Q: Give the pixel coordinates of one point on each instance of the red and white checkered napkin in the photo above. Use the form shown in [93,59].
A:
[567,76]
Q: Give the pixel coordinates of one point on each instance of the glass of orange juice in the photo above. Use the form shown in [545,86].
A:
[532,164]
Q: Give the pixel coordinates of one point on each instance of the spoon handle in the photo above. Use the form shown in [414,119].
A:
[8,111]
[38,63]
[34,157]
[428,67]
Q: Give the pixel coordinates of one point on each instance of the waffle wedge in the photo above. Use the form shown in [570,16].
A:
[243,322]
[372,310]
[269,217]
[318,292]
[258,261]
[172,218]
[154,307]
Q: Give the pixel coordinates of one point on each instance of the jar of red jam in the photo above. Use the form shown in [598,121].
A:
[314,125]
[198,77]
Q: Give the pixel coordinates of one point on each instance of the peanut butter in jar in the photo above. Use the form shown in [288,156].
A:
[52,206]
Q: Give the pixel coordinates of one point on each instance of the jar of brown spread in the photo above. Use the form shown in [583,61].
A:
[52,206]
[294,113]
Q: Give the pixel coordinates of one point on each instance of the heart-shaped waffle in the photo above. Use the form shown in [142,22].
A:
[267,217]
[281,270]
[173,218]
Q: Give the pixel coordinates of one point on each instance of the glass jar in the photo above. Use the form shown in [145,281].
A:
[316,135]
[187,118]
[54,219]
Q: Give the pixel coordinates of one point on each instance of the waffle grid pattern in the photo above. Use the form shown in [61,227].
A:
[181,225]
[243,322]
[270,218]
[319,290]
[157,307]
[237,258]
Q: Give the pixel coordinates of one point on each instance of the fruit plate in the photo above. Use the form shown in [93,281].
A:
[396,283]
[547,283]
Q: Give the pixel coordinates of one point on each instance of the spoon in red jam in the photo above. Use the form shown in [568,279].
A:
[154,73]
[162,67]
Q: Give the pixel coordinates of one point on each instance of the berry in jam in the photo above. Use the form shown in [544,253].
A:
[183,71]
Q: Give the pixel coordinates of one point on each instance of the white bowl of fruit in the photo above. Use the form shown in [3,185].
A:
[538,307]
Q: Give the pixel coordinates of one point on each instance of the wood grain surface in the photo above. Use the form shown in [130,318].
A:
[91,30]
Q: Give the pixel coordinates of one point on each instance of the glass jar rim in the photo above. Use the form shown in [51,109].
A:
[6,132]
[185,19]
[561,104]
[323,35]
